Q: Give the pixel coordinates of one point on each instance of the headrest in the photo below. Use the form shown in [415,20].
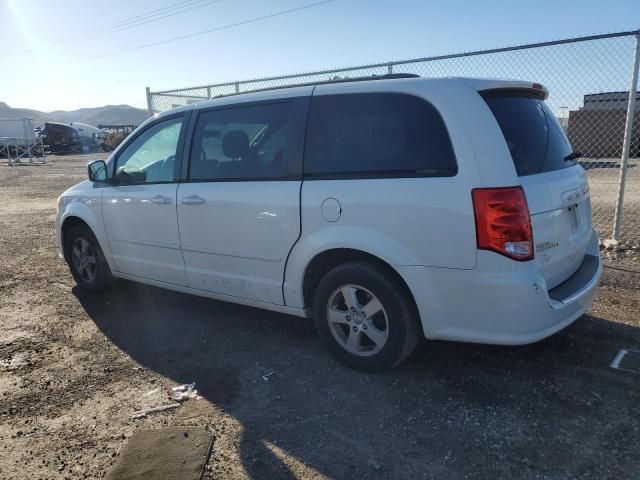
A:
[235,144]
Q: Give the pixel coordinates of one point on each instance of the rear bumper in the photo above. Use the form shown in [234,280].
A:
[500,301]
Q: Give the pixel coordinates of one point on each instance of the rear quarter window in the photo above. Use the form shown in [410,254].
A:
[376,135]
[535,138]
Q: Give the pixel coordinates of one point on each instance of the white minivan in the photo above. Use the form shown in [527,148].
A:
[386,209]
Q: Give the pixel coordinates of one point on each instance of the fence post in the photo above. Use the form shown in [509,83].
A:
[209,92]
[149,106]
[237,87]
[390,68]
[628,128]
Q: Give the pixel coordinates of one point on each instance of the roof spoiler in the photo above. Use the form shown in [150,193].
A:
[482,85]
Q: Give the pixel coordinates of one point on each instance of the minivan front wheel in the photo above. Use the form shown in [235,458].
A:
[86,260]
[365,316]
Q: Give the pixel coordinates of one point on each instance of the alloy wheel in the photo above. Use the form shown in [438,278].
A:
[84,260]
[357,320]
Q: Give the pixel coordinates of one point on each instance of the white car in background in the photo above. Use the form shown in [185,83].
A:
[387,209]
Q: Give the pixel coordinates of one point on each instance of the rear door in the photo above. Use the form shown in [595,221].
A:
[239,205]
[556,187]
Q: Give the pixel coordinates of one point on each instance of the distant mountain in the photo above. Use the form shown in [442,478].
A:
[107,115]
[7,112]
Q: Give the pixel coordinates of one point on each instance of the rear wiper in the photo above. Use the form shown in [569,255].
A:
[572,156]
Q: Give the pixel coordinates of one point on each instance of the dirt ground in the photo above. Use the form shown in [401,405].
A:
[604,192]
[74,367]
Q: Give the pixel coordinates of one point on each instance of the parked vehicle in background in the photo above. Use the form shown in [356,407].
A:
[76,137]
[114,135]
[386,209]
[90,137]
[60,137]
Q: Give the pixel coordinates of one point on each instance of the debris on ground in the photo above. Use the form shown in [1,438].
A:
[151,392]
[632,363]
[161,408]
[185,392]
[265,377]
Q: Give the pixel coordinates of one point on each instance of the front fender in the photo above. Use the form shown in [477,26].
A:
[87,208]
[332,237]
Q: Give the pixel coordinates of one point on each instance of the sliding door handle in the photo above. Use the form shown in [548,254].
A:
[192,200]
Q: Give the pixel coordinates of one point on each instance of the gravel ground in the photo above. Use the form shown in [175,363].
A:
[604,192]
[74,367]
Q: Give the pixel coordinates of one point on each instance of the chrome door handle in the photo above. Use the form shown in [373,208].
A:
[192,200]
[160,200]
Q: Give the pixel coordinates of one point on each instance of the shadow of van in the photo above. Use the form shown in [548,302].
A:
[451,410]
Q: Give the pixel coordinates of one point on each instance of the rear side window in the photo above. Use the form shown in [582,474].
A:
[376,135]
[533,134]
[242,143]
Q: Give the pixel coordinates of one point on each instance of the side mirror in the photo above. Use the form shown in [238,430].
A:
[97,171]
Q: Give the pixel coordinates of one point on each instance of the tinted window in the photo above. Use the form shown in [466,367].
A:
[241,143]
[533,134]
[373,134]
[151,156]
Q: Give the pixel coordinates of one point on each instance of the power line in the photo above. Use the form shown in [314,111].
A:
[149,20]
[126,24]
[202,32]
[173,6]
[135,21]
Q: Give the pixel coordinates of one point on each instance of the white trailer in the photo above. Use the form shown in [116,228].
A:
[18,141]
[21,128]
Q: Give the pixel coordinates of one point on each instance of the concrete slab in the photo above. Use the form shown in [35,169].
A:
[173,453]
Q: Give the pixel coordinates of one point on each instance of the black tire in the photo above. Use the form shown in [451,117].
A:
[400,314]
[101,279]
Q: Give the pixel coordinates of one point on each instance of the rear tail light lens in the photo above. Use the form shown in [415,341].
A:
[503,224]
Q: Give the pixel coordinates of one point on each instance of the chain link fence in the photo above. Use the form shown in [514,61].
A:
[589,80]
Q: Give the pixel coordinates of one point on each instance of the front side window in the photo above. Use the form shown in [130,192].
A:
[376,134]
[151,157]
[239,143]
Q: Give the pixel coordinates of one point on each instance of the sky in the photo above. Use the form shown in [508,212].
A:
[68,54]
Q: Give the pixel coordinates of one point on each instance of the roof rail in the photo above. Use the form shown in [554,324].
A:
[388,76]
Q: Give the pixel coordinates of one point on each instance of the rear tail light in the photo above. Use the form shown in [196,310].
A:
[503,224]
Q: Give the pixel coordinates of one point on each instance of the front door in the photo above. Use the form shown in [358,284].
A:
[238,209]
[139,208]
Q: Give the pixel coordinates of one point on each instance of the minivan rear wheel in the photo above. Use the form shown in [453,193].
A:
[86,260]
[365,316]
